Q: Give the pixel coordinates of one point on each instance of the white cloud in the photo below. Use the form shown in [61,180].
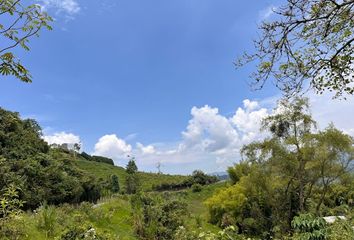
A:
[70,7]
[209,131]
[212,140]
[62,137]
[150,149]
[113,147]
[248,120]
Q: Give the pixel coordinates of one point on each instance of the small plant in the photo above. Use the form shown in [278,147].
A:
[196,187]
[309,227]
[47,219]
[10,204]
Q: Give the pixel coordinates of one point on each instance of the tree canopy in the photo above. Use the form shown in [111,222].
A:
[297,169]
[18,23]
[306,43]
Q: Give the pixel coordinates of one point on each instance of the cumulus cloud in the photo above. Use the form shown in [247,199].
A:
[112,146]
[212,141]
[150,149]
[209,131]
[62,137]
[70,7]
[248,120]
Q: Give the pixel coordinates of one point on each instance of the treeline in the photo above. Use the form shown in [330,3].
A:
[288,181]
[97,158]
[38,173]
[198,178]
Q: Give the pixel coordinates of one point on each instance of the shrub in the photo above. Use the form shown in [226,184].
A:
[309,227]
[196,187]
[47,219]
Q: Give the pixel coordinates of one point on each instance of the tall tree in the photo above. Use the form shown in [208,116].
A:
[18,23]
[308,43]
[132,179]
[281,175]
[131,167]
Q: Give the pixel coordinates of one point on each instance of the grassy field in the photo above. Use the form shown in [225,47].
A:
[112,216]
[198,212]
[147,180]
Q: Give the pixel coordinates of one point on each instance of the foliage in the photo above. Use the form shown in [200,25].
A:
[47,219]
[131,167]
[97,158]
[157,217]
[19,25]
[104,172]
[196,187]
[197,177]
[132,183]
[306,40]
[309,227]
[10,204]
[114,184]
[295,170]
[40,173]
[228,233]
[340,230]
[80,232]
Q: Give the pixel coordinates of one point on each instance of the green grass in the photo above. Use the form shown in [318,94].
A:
[112,216]
[147,180]
[198,213]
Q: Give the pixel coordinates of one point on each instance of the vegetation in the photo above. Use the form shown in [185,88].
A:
[295,170]
[282,188]
[23,22]
[197,178]
[97,158]
[132,183]
[307,40]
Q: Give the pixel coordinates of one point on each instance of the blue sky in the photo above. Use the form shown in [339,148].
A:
[150,78]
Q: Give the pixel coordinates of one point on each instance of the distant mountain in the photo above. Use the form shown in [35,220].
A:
[220,175]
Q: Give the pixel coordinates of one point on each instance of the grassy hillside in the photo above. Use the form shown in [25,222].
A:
[103,170]
[198,212]
[111,218]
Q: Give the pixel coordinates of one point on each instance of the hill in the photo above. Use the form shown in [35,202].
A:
[104,171]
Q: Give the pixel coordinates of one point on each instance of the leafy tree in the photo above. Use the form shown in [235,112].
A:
[132,183]
[295,170]
[42,174]
[114,184]
[131,167]
[308,40]
[19,24]
[309,227]
[132,179]
[10,204]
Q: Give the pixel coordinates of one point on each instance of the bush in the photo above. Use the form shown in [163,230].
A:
[198,177]
[47,219]
[196,187]
[157,217]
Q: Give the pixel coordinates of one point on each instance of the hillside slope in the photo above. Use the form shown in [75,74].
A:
[103,170]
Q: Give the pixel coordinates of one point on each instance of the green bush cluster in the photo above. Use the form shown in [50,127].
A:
[97,158]
[157,216]
[198,177]
[40,174]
